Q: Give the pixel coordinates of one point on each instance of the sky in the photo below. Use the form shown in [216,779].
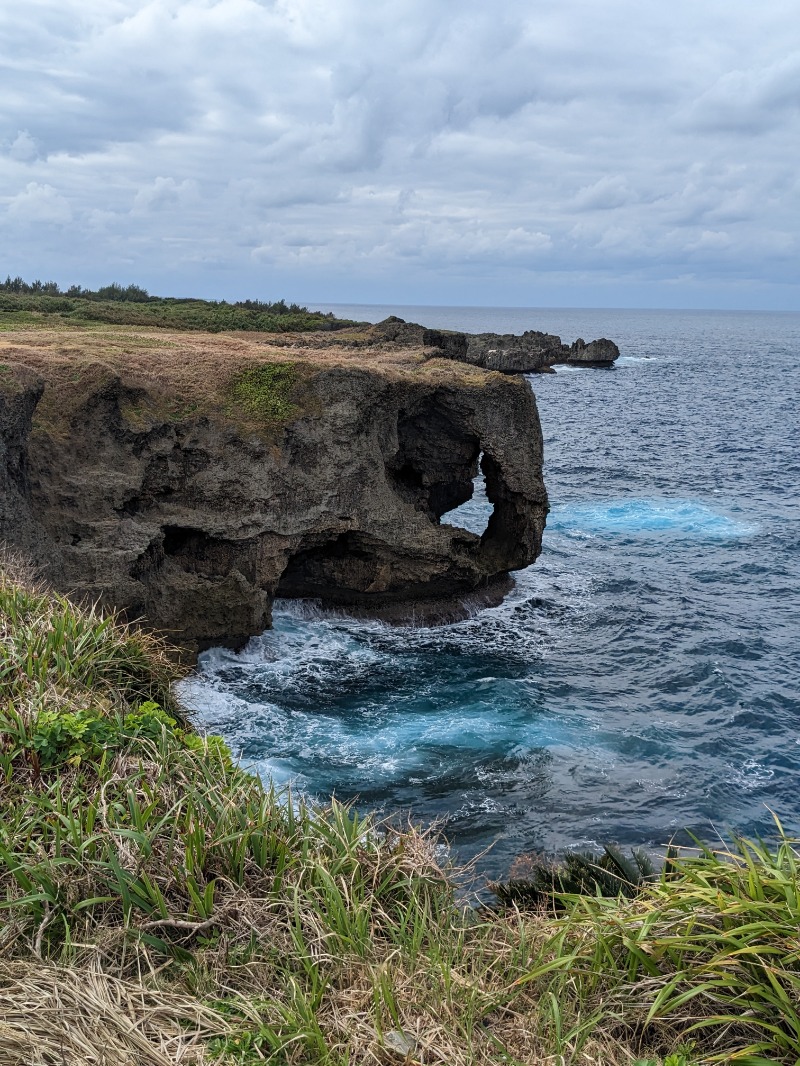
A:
[520,153]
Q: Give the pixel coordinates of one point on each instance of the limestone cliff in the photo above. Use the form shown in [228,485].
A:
[527,353]
[531,352]
[190,480]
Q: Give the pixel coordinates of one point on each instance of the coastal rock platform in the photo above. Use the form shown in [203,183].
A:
[191,478]
[530,352]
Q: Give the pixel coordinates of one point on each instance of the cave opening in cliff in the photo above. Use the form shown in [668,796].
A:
[475,513]
[436,459]
[338,570]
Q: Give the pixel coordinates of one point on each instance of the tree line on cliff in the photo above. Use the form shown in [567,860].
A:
[117,304]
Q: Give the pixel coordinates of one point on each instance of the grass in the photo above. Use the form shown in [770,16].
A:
[711,948]
[158,904]
[12,320]
[266,392]
[26,310]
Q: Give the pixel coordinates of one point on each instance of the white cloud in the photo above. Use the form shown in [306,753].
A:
[164,194]
[39,203]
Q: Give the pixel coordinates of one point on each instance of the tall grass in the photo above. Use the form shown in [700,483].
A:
[144,876]
[710,951]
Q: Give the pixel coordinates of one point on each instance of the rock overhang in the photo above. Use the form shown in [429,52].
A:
[150,483]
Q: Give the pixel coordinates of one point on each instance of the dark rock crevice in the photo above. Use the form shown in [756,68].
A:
[20,393]
[436,459]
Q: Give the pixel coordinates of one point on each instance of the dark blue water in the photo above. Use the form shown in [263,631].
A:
[642,678]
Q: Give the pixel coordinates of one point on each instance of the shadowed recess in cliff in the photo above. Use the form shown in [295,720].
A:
[436,458]
[192,550]
[335,570]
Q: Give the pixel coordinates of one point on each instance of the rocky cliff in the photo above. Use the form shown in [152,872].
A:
[192,480]
[531,352]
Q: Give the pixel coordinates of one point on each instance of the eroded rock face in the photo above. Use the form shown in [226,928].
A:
[599,353]
[531,352]
[196,523]
[20,392]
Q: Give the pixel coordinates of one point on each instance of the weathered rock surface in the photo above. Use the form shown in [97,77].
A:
[134,472]
[599,353]
[527,353]
[20,392]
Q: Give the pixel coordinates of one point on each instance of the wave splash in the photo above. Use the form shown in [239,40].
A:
[681,517]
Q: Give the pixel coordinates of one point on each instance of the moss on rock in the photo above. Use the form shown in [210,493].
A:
[266,391]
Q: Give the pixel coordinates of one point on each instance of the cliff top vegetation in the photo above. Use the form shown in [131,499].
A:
[44,303]
[249,381]
[198,367]
[161,905]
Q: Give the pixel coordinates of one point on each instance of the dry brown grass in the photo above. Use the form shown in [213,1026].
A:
[67,1016]
[194,361]
[161,376]
[189,358]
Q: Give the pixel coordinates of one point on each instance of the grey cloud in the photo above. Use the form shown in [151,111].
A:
[751,101]
[439,151]
[163,194]
[605,194]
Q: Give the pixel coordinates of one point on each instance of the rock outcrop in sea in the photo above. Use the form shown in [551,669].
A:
[527,353]
[190,480]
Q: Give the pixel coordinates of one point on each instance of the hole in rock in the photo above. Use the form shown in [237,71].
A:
[436,459]
[474,514]
[179,540]
[202,553]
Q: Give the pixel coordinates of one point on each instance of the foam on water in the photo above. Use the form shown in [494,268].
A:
[625,516]
[632,360]
[641,678]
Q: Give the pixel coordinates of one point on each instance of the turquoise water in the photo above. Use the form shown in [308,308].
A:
[641,679]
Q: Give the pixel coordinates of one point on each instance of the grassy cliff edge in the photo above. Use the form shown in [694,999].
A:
[158,904]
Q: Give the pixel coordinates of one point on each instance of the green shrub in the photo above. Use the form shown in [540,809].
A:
[70,736]
[76,737]
[266,391]
[148,721]
[133,306]
[212,745]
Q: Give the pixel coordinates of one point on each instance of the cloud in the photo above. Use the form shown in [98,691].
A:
[39,203]
[606,193]
[410,149]
[751,101]
[164,194]
[23,147]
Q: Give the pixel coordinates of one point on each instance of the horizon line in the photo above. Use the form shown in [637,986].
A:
[557,307]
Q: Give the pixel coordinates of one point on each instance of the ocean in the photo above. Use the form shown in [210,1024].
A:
[642,680]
